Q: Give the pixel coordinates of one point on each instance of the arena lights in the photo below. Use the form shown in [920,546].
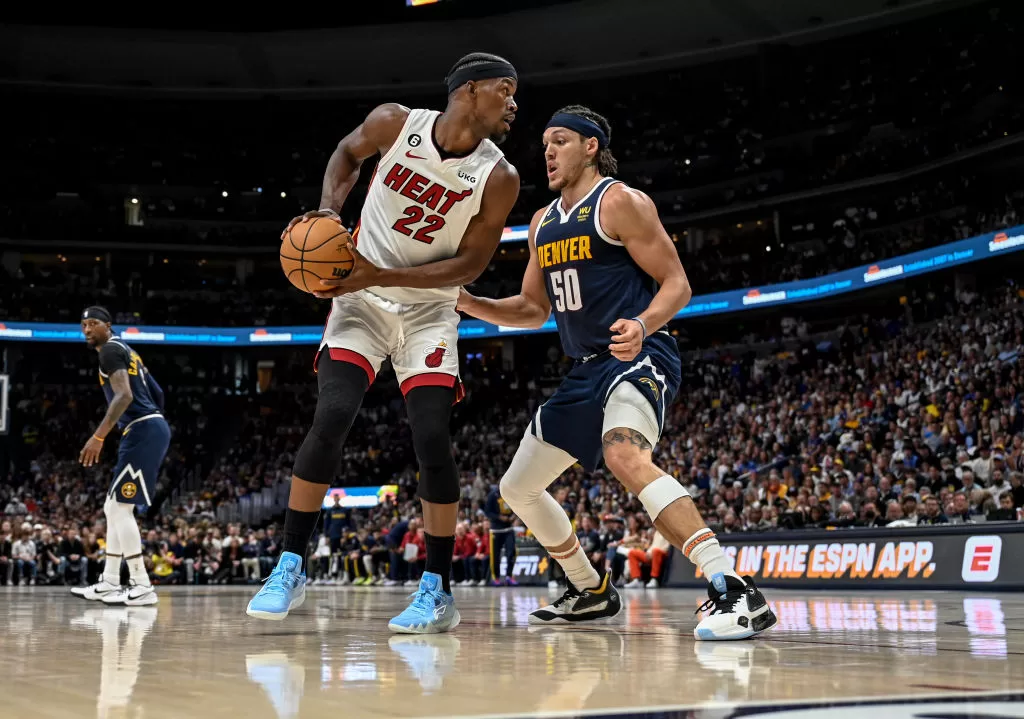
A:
[893,269]
[224,193]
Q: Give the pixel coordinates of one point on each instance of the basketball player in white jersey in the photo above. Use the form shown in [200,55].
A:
[433,216]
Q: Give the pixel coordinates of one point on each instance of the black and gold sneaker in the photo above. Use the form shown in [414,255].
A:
[588,605]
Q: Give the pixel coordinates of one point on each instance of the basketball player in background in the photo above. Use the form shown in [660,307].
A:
[135,406]
[433,216]
[601,258]
[502,538]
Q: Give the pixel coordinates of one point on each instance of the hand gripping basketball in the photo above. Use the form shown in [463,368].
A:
[310,216]
[363,274]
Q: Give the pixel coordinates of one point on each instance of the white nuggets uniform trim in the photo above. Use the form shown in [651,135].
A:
[417,210]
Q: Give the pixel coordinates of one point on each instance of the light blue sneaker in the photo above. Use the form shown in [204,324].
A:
[284,590]
[432,610]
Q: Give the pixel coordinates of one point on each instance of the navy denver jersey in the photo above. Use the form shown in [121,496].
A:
[590,278]
[147,397]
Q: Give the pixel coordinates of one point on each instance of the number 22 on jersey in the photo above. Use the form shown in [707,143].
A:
[565,286]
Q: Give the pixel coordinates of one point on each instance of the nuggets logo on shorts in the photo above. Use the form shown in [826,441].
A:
[435,354]
[652,384]
[128,490]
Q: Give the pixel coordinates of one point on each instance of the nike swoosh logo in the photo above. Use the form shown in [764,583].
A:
[547,222]
[409,154]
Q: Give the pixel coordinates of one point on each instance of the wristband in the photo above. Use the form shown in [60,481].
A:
[101,439]
[328,209]
[642,324]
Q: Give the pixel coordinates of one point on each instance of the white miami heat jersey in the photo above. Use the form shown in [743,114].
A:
[419,206]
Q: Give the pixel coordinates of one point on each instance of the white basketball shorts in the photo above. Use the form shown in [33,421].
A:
[421,340]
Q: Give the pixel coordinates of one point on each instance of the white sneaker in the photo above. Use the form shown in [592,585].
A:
[134,595]
[553,584]
[411,583]
[96,592]
[481,583]
[738,610]
[390,582]
[636,584]
[653,584]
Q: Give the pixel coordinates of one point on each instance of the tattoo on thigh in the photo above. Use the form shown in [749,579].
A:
[621,435]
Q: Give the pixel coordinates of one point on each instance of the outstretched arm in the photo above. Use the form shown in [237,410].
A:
[475,251]
[630,216]
[530,308]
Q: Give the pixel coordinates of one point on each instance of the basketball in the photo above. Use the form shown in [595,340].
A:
[315,250]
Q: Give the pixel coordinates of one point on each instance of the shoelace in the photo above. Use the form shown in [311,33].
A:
[722,604]
[570,593]
[279,581]
[421,599]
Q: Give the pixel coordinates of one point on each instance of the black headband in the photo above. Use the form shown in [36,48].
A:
[96,313]
[482,70]
[580,124]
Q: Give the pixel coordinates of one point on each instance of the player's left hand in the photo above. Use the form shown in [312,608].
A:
[363,274]
[627,343]
[90,453]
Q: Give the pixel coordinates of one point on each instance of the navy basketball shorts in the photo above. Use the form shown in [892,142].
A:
[143,446]
[572,419]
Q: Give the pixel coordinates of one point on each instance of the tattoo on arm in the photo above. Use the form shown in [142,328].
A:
[621,435]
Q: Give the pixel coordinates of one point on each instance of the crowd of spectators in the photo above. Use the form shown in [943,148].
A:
[914,420]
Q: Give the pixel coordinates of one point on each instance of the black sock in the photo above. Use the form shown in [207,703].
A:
[439,558]
[298,528]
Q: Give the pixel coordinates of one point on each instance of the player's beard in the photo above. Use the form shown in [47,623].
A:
[499,137]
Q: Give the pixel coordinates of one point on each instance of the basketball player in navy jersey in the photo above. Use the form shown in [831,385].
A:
[135,406]
[601,259]
[434,213]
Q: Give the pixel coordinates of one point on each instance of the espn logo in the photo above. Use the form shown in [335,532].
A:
[981,559]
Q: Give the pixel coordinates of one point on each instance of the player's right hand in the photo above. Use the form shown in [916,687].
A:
[311,215]
[464,301]
[90,453]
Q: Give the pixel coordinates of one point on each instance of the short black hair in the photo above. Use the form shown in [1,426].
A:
[607,165]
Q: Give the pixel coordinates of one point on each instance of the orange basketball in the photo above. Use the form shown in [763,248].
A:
[314,250]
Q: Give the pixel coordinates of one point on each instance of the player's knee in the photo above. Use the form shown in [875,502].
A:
[342,386]
[627,453]
[514,491]
[532,470]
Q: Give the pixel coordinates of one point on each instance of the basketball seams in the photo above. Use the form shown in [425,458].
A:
[303,250]
[318,262]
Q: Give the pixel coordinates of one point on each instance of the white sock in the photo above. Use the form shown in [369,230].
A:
[137,569]
[577,566]
[112,569]
[703,549]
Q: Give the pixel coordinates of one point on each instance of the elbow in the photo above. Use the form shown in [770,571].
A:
[539,318]
[685,292]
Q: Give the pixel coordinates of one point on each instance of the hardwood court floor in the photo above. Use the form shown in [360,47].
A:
[197,655]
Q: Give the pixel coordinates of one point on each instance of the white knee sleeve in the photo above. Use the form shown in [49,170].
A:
[113,535]
[627,407]
[121,519]
[534,467]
